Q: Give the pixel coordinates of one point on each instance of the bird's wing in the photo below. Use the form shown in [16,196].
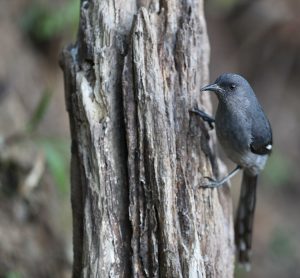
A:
[261,132]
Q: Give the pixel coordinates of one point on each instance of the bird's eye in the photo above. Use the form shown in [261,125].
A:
[232,86]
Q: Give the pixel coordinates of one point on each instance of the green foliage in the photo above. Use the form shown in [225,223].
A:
[222,5]
[279,170]
[57,152]
[239,271]
[43,22]
[39,111]
[58,158]
[281,245]
[13,274]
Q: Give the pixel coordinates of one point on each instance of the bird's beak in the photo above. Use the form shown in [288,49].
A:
[212,87]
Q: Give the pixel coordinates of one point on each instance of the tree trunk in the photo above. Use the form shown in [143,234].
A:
[138,155]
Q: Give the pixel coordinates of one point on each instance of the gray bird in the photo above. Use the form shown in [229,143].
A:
[245,134]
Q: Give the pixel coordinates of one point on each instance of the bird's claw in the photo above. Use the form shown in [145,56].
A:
[210,179]
[205,117]
[211,183]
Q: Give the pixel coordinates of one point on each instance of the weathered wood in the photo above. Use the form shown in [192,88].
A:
[138,155]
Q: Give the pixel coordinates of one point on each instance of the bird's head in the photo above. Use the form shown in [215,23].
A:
[228,84]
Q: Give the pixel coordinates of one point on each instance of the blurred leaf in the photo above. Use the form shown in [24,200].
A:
[281,245]
[39,111]
[279,170]
[58,160]
[223,5]
[13,274]
[43,22]
[57,21]
[32,16]
[239,271]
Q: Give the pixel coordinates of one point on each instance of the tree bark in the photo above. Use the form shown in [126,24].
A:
[138,154]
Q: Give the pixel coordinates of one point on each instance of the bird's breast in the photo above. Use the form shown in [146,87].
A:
[233,129]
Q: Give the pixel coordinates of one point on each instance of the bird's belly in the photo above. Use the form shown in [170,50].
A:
[251,162]
[236,145]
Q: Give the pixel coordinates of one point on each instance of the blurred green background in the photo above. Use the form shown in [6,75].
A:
[259,39]
[35,213]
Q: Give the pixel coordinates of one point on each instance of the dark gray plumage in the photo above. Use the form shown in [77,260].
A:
[245,134]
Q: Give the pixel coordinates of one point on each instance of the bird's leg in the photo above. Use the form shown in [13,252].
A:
[205,117]
[214,183]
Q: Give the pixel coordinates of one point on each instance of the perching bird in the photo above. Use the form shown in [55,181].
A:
[245,135]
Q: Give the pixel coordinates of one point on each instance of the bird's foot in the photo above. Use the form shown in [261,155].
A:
[211,183]
[204,116]
[208,182]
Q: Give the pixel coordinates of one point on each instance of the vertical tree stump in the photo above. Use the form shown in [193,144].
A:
[138,154]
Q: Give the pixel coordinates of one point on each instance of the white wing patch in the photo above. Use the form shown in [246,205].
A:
[269,147]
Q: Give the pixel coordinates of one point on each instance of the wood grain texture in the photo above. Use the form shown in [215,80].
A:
[138,154]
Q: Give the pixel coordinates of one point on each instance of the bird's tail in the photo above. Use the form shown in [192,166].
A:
[244,219]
